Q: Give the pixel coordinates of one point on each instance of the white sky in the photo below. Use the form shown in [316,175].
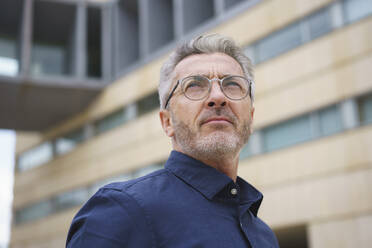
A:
[7,147]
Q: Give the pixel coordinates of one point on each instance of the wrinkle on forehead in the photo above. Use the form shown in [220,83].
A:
[211,65]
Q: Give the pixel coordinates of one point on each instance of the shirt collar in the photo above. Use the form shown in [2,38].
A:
[208,181]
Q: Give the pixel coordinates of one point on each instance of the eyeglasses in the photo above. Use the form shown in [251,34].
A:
[198,87]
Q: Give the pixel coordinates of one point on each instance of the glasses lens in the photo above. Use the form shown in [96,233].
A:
[235,87]
[195,87]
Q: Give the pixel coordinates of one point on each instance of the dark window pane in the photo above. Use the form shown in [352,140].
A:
[72,198]
[67,142]
[196,12]
[34,212]
[231,3]
[320,23]
[279,42]
[365,109]
[111,121]
[53,48]
[148,103]
[287,133]
[330,120]
[94,42]
[35,157]
[357,9]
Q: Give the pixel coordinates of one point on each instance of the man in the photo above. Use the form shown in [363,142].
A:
[197,200]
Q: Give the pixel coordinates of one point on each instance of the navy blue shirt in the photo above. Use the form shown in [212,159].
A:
[186,204]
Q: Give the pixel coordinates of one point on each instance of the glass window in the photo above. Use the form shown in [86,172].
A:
[279,42]
[196,12]
[111,121]
[292,236]
[148,103]
[72,198]
[36,156]
[10,32]
[69,141]
[94,42]
[34,212]
[53,50]
[231,3]
[357,9]
[330,120]
[320,23]
[8,57]
[246,151]
[287,133]
[365,109]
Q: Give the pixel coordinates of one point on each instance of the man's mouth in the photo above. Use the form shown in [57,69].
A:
[217,120]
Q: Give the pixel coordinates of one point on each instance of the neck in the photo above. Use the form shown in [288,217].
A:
[226,163]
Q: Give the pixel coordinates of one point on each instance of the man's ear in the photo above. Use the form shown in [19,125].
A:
[251,113]
[166,122]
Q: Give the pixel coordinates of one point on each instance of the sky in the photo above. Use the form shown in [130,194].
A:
[7,149]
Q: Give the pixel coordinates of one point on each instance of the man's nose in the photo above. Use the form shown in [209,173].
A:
[216,97]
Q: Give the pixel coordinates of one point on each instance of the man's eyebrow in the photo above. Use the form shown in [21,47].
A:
[207,75]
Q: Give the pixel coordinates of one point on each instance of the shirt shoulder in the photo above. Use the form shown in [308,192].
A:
[114,217]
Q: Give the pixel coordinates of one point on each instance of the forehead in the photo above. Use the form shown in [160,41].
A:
[215,64]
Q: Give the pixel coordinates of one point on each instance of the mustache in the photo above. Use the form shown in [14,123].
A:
[218,112]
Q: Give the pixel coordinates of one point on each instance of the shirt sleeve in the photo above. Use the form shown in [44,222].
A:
[110,219]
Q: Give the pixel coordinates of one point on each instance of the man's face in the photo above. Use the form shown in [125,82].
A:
[214,126]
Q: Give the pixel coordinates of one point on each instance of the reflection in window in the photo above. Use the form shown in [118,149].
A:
[8,57]
[247,150]
[36,156]
[287,133]
[279,42]
[148,103]
[330,120]
[10,31]
[365,109]
[72,198]
[69,141]
[34,212]
[53,49]
[196,12]
[357,9]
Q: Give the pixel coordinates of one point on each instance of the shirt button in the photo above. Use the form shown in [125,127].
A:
[234,191]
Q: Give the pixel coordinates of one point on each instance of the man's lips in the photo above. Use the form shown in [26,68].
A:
[217,120]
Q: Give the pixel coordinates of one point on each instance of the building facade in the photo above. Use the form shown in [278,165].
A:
[310,153]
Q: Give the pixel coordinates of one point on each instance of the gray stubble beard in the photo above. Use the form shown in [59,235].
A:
[216,146]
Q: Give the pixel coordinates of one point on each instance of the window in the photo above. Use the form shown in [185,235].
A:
[34,212]
[160,23]
[69,141]
[287,133]
[126,34]
[111,121]
[148,103]
[330,120]
[292,237]
[53,48]
[320,23]
[356,9]
[365,109]
[232,3]
[35,157]
[94,50]
[10,30]
[278,42]
[196,12]
[71,198]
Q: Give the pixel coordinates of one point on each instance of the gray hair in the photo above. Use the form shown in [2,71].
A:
[204,44]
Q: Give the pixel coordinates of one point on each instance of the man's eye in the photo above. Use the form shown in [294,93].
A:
[232,84]
[194,85]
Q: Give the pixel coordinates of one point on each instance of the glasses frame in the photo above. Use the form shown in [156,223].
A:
[180,81]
